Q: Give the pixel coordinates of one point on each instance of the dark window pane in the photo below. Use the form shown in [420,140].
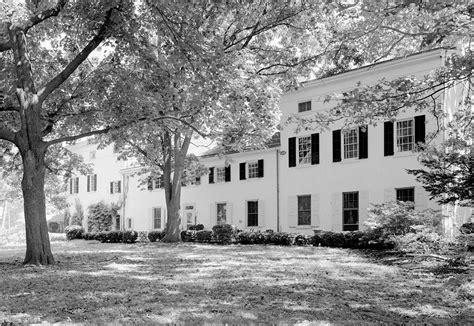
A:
[304,218]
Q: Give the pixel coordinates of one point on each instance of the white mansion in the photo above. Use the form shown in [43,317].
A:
[301,182]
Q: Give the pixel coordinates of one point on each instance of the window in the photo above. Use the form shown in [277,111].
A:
[304,106]
[350,211]
[92,182]
[406,194]
[221,213]
[351,145]
[190,215]
[304,150]
[405,135]
[115,187]
[117,223]
[74,185]
[252,213]
[155,183]
[92,155]
[220,174]
[304,210]
[129,223]
[253,170]
[157,217]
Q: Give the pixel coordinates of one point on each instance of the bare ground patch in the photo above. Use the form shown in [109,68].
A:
[193,283]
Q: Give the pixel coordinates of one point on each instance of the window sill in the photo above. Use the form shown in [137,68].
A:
[304,227]
[404,154]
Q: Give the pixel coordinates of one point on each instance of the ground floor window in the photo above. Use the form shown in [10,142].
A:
[350,208]
[190,215]
[252,213]
[406,194]
[157,217]
[304,210]
[129,223]
[221,213]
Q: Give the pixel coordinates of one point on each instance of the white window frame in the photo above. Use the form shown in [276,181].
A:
[153,209]
[129,224]
[92,183]
[402,189]
[219,222]
[115,187]
[298,210]
[352,154]
[411,145]
[306,159]
[305,102]
[252,169]
[219,174]
[158,183]
[356,209]
[247,213]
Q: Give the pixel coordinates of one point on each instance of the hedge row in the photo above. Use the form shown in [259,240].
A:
[112,236]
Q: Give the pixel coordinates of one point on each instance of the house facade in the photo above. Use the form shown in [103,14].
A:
[306,181]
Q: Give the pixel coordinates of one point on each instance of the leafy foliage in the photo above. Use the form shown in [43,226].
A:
[154,236]
[101,216]
[224,233]
[112,236]
[74,232]
[204,236]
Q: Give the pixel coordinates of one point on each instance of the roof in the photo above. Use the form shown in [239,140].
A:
[271,143]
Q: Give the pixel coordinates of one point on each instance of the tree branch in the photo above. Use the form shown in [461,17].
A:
[45,14]
[54,83]
[7,135]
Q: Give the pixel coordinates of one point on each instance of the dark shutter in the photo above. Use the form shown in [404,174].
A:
[292,152]
[242,170]
[112,187]
[420,129]
[76,187]
[119,186]
[260,168]
[70,186]
[388,138]
[150,183]
[211,175]
[95,182]
[336,145]
[315,149]
[363,142]
[88,183]
[227,173]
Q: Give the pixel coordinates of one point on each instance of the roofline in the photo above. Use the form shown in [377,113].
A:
[269,148]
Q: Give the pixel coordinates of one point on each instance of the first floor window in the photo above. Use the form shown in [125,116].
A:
[304,150]
[304,210]
[92,182]
[129,223]
[350,211]
[221,213]
[220,174]
[252,213]
[405,135]
[406,194]
[157,217]
[117,223]
[115,187]
[351,144]
[74,185]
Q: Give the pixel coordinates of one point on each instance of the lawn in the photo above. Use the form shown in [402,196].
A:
[196,283]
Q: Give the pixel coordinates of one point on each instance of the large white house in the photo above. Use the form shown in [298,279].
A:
[302,182]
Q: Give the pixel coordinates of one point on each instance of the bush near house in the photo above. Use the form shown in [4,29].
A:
[188,236]
[154,236]
[74,232]
[112,236]
[252,237]
[280,239]
[203,236]
[196,227]
[100,216]
[224,233]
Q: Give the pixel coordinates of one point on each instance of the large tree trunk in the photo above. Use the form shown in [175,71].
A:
[38,249]
[173,203]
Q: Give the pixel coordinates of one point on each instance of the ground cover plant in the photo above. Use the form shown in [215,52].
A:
[200,283]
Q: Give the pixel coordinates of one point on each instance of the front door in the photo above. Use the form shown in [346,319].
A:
[190,215]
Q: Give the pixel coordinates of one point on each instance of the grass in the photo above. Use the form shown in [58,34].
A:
[192,283]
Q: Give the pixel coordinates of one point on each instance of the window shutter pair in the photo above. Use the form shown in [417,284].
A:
[292,150]
[119,187]
[363,144]
[389,134]
[227,173]
[150,183]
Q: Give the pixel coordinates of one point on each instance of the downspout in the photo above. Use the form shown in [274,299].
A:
[278,188]
[124,201]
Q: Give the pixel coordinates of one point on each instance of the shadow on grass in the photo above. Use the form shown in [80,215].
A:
[161,283]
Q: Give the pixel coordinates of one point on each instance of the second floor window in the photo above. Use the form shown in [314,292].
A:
[304,106]
[304,150]
[351,144]
[405,135]
[115,187]
[220,174]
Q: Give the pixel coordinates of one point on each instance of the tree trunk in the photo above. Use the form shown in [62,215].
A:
[38,248]
[174,219]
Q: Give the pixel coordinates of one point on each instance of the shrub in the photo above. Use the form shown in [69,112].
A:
[467,228]
[204,236]
[74,232]
[130,236]
[196,227]
[252,237]
[101,216]
[55,237]
[188,236]
[224,233]
[116,236]
[423,242]
[280,238]
[154,236]
[302,239]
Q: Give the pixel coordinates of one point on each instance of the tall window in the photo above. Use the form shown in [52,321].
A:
[221,213]
[304,106]
[350,208]
[304,210]
[157,217]
[252,213]
[351,144]
[405,135]
[92,182]
[220,174]
[129,223]
[253,170]
[115,187]
[304,150]
[406,194]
